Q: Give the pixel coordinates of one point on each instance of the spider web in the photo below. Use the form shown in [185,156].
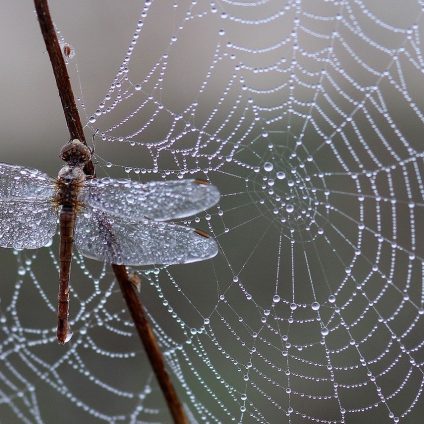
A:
[307,116]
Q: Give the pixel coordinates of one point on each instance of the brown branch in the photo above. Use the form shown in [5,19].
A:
[149,341]
[63,83]
[134,304]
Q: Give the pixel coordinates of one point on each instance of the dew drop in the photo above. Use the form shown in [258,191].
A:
[268,166]
[315,306]
[276,298]
[281,175]
[289,208]
[49,243]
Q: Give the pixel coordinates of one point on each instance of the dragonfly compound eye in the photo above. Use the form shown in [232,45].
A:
[75,153]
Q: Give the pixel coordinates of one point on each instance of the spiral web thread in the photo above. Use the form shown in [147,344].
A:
[307,115]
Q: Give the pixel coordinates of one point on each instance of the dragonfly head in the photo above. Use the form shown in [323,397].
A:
[75,153]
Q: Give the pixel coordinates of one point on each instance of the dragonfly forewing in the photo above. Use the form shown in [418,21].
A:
[20,182]
[27,216]
[117,240]
[158,200]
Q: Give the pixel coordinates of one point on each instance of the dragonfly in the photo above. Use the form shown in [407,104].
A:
[117,221]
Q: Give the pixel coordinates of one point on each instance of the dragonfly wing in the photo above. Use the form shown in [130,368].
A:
[27,223]
[116,240]
[20,182]
[27,217]
[158,200]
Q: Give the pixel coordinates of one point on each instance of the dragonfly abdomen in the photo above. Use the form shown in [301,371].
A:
[67,224]
[68,186]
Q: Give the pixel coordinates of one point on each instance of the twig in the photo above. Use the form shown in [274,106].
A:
[63,83]
[134,304]
[150,343]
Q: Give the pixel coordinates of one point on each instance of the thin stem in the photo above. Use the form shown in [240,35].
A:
[134,304]
[63,83]
[150,343]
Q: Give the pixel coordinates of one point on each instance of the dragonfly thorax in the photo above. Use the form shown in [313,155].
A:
[68,186]
[71,174]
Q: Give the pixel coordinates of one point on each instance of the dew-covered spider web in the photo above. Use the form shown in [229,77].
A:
[308,116]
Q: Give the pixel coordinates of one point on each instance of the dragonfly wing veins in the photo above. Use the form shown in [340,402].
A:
[117,240]
[158,200]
